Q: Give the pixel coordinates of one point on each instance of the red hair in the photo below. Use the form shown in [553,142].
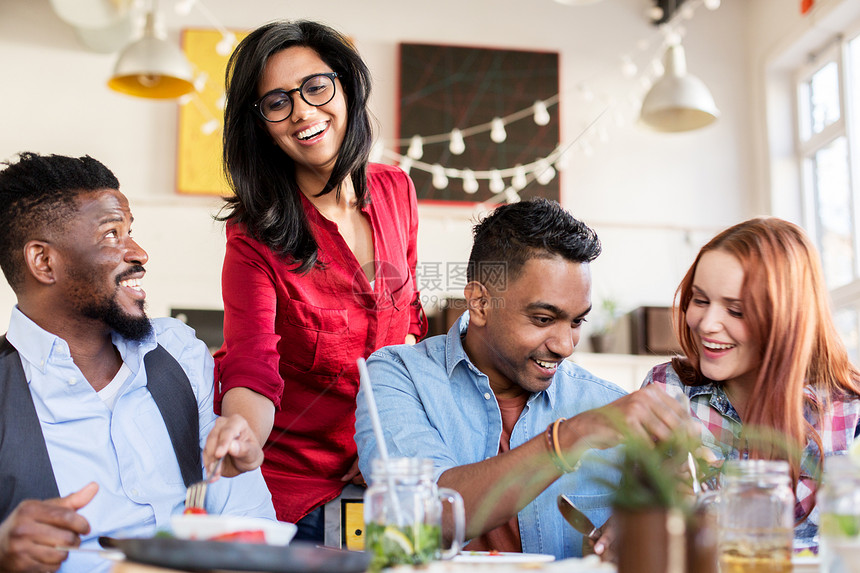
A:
[786,308]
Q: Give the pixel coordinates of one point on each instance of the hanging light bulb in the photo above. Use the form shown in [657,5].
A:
[541,113]
[225,46]
[678,101]
[440,181]
[221,102]
[519,180]
[544,172]
[405,164]
[183,7]
[152,67]
[497,131]
[457,146]
[496,183]
[628,68]
[562,161]
[712,4]
[416,147]
[210,127]
[511,195]
[470,184]
[200,81]
[587,150]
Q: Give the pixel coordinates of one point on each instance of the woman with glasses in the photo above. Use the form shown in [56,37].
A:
[765,370]
[320,261]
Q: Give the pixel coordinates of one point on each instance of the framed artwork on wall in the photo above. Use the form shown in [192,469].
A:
[201,115]
[448,87]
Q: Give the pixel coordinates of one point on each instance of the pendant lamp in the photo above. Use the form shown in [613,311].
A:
[152,67]
[678,101]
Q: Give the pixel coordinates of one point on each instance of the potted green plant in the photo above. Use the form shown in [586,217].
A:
[654,510]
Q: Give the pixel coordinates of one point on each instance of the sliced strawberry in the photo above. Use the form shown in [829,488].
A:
[249,536]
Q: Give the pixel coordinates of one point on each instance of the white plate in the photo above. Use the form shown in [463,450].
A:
[204,527]
[502,557]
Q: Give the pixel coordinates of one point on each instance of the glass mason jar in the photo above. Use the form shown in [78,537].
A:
[839,505]
[403,514]
[755,517]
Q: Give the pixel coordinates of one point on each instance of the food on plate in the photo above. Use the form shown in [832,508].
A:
[249,536]
[194,511]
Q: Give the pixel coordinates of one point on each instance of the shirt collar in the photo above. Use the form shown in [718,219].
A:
[717,399]
[455,353]
[33,343]
[37,346]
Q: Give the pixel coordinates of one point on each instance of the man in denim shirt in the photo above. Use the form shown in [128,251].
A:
[504,417]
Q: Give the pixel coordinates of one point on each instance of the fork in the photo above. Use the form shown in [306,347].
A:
[195,496]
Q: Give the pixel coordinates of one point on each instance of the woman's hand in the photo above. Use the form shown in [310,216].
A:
[410,339]
[234,440]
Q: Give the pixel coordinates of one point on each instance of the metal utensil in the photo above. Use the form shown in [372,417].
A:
[577,519]
[195,496]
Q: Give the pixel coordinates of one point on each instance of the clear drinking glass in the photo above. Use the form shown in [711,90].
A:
[403,514]
[755,517]
[839,504]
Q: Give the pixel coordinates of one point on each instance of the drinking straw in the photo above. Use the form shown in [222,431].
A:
[364,381]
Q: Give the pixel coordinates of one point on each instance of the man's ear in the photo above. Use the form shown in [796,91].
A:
[477,301]
[39,259]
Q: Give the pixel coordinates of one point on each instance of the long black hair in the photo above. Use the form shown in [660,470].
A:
[261,175]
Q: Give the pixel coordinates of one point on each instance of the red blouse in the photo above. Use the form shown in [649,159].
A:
[295,338]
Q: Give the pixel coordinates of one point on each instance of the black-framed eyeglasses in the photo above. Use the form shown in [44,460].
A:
[277,105]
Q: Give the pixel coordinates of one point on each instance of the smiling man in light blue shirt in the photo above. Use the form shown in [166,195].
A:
[105,415]
[495,404]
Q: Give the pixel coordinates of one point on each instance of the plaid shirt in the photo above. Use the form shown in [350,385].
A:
[721,426]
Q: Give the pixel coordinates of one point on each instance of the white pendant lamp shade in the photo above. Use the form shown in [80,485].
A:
[678,101]
[152,67]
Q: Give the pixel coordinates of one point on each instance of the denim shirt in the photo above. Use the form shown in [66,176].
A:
[434,403]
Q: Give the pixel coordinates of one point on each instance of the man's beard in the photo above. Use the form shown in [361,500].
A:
[105,308]
[108,311]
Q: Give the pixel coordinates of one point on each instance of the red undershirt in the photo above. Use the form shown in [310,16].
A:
[505,537]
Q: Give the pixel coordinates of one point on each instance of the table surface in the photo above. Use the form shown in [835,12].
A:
[588,565]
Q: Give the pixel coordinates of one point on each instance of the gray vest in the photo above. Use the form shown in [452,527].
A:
[25,468]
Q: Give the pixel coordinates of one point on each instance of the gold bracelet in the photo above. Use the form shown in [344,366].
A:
[557,450]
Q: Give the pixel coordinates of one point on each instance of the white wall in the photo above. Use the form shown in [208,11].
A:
[653,198]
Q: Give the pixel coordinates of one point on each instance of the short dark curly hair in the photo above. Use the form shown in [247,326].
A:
[38,197]
[512,234]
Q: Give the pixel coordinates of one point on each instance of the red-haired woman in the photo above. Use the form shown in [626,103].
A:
[762,351]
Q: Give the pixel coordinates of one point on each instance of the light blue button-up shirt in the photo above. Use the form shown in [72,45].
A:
[434,403]
[128,451]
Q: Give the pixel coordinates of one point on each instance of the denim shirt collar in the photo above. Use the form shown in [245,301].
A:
[455,354]
[717,399]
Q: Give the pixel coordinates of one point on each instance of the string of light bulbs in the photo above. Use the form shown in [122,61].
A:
[543,169]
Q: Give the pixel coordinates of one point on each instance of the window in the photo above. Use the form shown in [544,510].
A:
[828,108]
